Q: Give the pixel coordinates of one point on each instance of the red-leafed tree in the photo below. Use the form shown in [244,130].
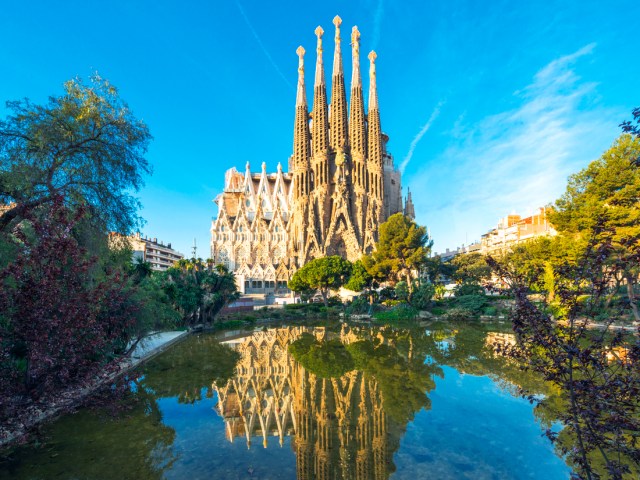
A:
[61,319]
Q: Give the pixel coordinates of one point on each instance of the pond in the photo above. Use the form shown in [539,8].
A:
[345,402]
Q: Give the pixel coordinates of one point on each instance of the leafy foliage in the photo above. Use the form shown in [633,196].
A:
[470,268]
[422,296]
[198,291]
[58,321]
[360,279]
[601,207]
[474,303]
[402,248]
[321,274]
[596,371]
[84,146]
[466,289]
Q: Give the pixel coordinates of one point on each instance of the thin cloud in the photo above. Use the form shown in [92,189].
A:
[377,24]
[425,128]
[519,159]
[261,45]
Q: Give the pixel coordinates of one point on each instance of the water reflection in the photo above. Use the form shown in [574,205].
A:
[349,403]
[341,424]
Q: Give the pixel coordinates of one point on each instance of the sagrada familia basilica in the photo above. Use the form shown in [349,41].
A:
[341,184]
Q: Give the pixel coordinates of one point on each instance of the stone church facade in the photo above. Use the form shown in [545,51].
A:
[341,184]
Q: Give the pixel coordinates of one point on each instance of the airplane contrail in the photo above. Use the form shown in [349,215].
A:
[262,47]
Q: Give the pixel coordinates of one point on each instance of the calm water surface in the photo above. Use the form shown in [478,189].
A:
[359,403]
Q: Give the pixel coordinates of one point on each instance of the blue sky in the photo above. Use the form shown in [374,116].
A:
[489,105]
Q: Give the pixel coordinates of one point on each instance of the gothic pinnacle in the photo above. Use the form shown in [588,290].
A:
[301,98]
[355,53]
[357,126]
[319,65]
[320,125]
[373,90]
[337,56]
[338,113]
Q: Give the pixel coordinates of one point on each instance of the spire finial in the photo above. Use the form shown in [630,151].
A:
[301,98]
[355,35]
[373,91]
[337,21]
[355,56]
[337,56]
[319,65]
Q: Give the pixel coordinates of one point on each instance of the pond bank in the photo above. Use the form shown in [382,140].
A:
[48,409]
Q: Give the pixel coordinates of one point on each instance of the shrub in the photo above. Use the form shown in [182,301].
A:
[473,303]
[402,291]
[468,289]
[491,311]
[294,306]
[399,312]
[459,314]
[421,297]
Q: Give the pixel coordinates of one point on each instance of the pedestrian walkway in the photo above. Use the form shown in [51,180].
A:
[154,344]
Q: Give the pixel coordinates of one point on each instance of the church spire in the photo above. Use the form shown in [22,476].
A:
[375,165]
[320,125]
[301,97]
[409,209]
[357,132]
[301,146]
[338,119]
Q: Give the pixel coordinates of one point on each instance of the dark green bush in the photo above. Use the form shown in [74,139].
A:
[460,315]
[473,303]
[491,311]
[422,296]
[402,311]
[468,289]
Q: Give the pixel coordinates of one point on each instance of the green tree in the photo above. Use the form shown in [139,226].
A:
[470,268]
[360,279]
[437,271]
[401,250]
[601,206]
[84,146]
[322,274]
[199,290]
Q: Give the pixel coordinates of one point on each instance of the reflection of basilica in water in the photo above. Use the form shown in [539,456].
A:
[339,425]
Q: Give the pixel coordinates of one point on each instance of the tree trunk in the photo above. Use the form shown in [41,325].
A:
[612,294]
[324,293]
[632,297]
[19,210]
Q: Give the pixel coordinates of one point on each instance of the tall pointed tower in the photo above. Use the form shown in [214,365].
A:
[375,166]
[358,139]
[341,238]
[301,169]
[338,113]
[320,146]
